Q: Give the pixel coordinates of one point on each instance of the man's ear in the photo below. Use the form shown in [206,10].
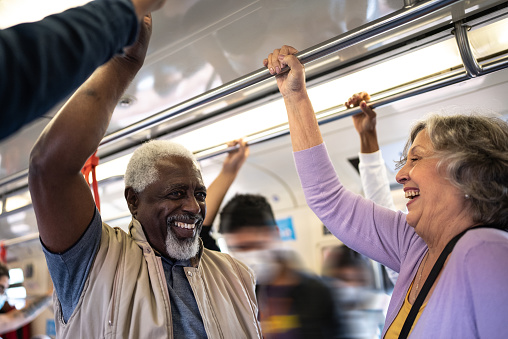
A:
[132,200]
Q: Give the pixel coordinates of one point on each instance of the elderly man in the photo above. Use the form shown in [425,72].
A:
[157,281]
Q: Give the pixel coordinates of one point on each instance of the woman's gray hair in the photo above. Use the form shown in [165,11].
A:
[142,171]
[473,151]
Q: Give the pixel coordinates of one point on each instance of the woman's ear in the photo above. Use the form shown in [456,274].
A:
[132,200]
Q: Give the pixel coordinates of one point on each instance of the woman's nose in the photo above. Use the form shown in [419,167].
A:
[402,175]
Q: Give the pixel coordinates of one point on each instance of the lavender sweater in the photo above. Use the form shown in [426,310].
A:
[470,299]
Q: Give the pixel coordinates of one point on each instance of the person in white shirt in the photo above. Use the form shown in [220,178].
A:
[372,165]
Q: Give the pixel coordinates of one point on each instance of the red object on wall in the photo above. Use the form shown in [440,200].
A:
[89,167]
[3,253]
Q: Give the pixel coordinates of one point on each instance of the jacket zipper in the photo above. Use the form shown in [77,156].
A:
[115,284]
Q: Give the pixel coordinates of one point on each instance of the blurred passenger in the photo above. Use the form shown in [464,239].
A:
[157,281]
[372,165]
[292,302]
[42,62]
[12,319]
[455,174]
[360,304]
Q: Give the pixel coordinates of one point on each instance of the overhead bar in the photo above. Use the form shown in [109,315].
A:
[338,112]
[413,10]
[328,47]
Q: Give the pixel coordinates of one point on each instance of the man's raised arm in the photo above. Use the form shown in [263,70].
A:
[61,197]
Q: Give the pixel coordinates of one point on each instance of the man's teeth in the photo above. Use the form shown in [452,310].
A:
[412,194]
[184,225]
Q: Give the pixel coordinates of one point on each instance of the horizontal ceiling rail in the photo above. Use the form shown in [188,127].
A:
[340,111]
[412,11]
[360,34]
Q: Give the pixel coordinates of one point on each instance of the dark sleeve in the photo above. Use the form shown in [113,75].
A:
[69,269]
[208,241]
[41,63]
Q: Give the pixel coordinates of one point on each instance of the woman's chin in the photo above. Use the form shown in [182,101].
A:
[411,222]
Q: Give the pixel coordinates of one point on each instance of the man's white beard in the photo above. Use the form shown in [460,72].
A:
[181,249]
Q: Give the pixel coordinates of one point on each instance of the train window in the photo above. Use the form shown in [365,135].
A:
[16,276]
[17,296]
[17,200]
[16,293]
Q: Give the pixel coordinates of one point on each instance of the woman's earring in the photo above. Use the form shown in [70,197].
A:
[466,196]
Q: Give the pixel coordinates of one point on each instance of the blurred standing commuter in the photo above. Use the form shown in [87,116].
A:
[360,306]
[12,319]
[292,303]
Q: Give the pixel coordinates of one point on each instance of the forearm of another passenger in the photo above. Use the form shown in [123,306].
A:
[15,319]
[369,142]
[375,180]
[43,62]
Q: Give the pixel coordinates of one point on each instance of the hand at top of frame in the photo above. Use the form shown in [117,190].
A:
[144,7]
[135,54]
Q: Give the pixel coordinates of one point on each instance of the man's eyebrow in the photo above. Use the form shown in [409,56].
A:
[184,186]
[175,186]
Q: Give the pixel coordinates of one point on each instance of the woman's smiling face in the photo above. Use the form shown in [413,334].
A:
[432,198]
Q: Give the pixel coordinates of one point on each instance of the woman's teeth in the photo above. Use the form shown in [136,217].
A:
[412,194]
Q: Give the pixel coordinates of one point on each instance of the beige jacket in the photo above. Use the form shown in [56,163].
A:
[126,295]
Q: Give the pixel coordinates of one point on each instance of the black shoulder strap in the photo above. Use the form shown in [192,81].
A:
[406,328]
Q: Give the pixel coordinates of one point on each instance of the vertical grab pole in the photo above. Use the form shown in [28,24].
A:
[471,65]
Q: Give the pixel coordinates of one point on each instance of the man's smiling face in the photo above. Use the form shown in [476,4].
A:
[172,208]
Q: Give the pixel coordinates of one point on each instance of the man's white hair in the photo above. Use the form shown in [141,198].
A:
[142,171]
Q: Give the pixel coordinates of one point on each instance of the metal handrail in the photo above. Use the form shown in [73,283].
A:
[328,47]
[401,17]
[471,65]
[338,112]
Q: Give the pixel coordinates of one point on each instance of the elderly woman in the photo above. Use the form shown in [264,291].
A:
[455,176]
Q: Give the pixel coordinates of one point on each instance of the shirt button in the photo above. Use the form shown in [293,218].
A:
[148,250]
[189,273]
